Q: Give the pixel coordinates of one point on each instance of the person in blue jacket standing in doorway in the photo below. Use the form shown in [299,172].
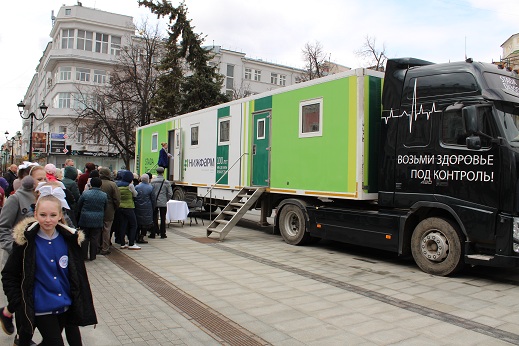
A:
[164,156]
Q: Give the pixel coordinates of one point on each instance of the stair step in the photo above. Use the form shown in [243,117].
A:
[236,204]
[227,212]
[222,221]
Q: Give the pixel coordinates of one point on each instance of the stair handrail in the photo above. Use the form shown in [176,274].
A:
[209,192]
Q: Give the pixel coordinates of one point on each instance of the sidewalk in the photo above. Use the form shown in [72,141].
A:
[253,289]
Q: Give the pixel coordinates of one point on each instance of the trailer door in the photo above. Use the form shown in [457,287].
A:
[175,161]
[261,150]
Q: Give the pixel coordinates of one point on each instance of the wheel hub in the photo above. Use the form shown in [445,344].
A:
[434,246]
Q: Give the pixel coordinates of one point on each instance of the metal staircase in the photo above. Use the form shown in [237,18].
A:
[234,211]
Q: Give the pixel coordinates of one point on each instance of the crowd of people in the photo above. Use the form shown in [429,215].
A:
[59,219]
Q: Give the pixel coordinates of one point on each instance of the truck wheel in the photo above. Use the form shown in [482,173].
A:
[437,247]
[292,225]
[179,194]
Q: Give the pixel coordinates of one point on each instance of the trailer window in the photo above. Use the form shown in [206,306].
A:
[260,129]
[440,85]
[154,142]
[194,135]
[311,118]
[224,131]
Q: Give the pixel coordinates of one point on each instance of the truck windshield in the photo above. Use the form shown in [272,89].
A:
[508,116]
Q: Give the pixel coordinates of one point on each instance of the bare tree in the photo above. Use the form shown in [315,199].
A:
[375,58]
[115,109]
[315,61]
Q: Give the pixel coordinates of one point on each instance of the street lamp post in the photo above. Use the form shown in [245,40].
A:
[43,111]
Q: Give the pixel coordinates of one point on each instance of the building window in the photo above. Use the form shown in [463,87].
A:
[115,48]
[99,76]
[81,132]
[67,39]
[65,73]
[224,130]
[194,135]
[101,43]
[274,78]
[67,12]
[311,118]
[257,75]
[62,100]
[84,40]
[62,129]
[83,74]
[154,142]
[282,80]
[248,73]
[229,82]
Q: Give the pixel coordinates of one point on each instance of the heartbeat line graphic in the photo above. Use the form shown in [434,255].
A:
[414,113]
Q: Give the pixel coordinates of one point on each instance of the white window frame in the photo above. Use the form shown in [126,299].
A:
[99,76]
[154,142]
[220,121]
[64,100]
[302,104]
[282,80]
[101,43]
[273,78]
[67,41]
[82,74]
[257,75]
[65,73]
[80,136]
[115,48]
[85,40]
[193,126]
[248,73]
[258,127]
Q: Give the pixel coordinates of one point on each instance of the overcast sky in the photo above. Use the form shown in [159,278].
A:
[277,30]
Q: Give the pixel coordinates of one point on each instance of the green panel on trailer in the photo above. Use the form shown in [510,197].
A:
[263,103]
[320,163]
[372,113]
[222,150]
[148,148]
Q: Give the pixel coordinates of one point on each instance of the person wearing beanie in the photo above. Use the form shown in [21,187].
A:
[50,169]
[93,174]
[83,178]
[126,212]
[3,186]
[91,206]
[144,205]
[163,193]
[112,204]
[69,180]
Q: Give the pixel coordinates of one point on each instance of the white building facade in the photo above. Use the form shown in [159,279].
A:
[85,45]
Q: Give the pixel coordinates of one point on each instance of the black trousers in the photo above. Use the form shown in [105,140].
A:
[162,211]
[91,242]
[51,327]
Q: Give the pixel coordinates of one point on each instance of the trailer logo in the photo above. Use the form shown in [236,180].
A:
[204,162]
[414,112]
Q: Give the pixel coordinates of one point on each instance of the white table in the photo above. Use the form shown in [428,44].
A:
[176,211]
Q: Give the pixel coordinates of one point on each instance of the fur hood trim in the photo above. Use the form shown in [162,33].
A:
[28,224]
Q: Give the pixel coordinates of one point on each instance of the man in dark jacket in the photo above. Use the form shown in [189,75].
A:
[10,176]
[163,193]
[113,201]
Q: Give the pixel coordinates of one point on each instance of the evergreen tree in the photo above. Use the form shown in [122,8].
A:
[187,82]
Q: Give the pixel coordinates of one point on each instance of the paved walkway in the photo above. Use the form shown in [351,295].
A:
[253,289]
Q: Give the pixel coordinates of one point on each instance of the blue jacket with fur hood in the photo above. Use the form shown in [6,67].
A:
[18,276]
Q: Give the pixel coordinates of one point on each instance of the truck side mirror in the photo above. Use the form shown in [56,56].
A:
[473,142]
[470,120]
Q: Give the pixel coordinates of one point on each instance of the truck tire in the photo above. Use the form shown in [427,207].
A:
[292,225]
[179,194]
[436,245]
